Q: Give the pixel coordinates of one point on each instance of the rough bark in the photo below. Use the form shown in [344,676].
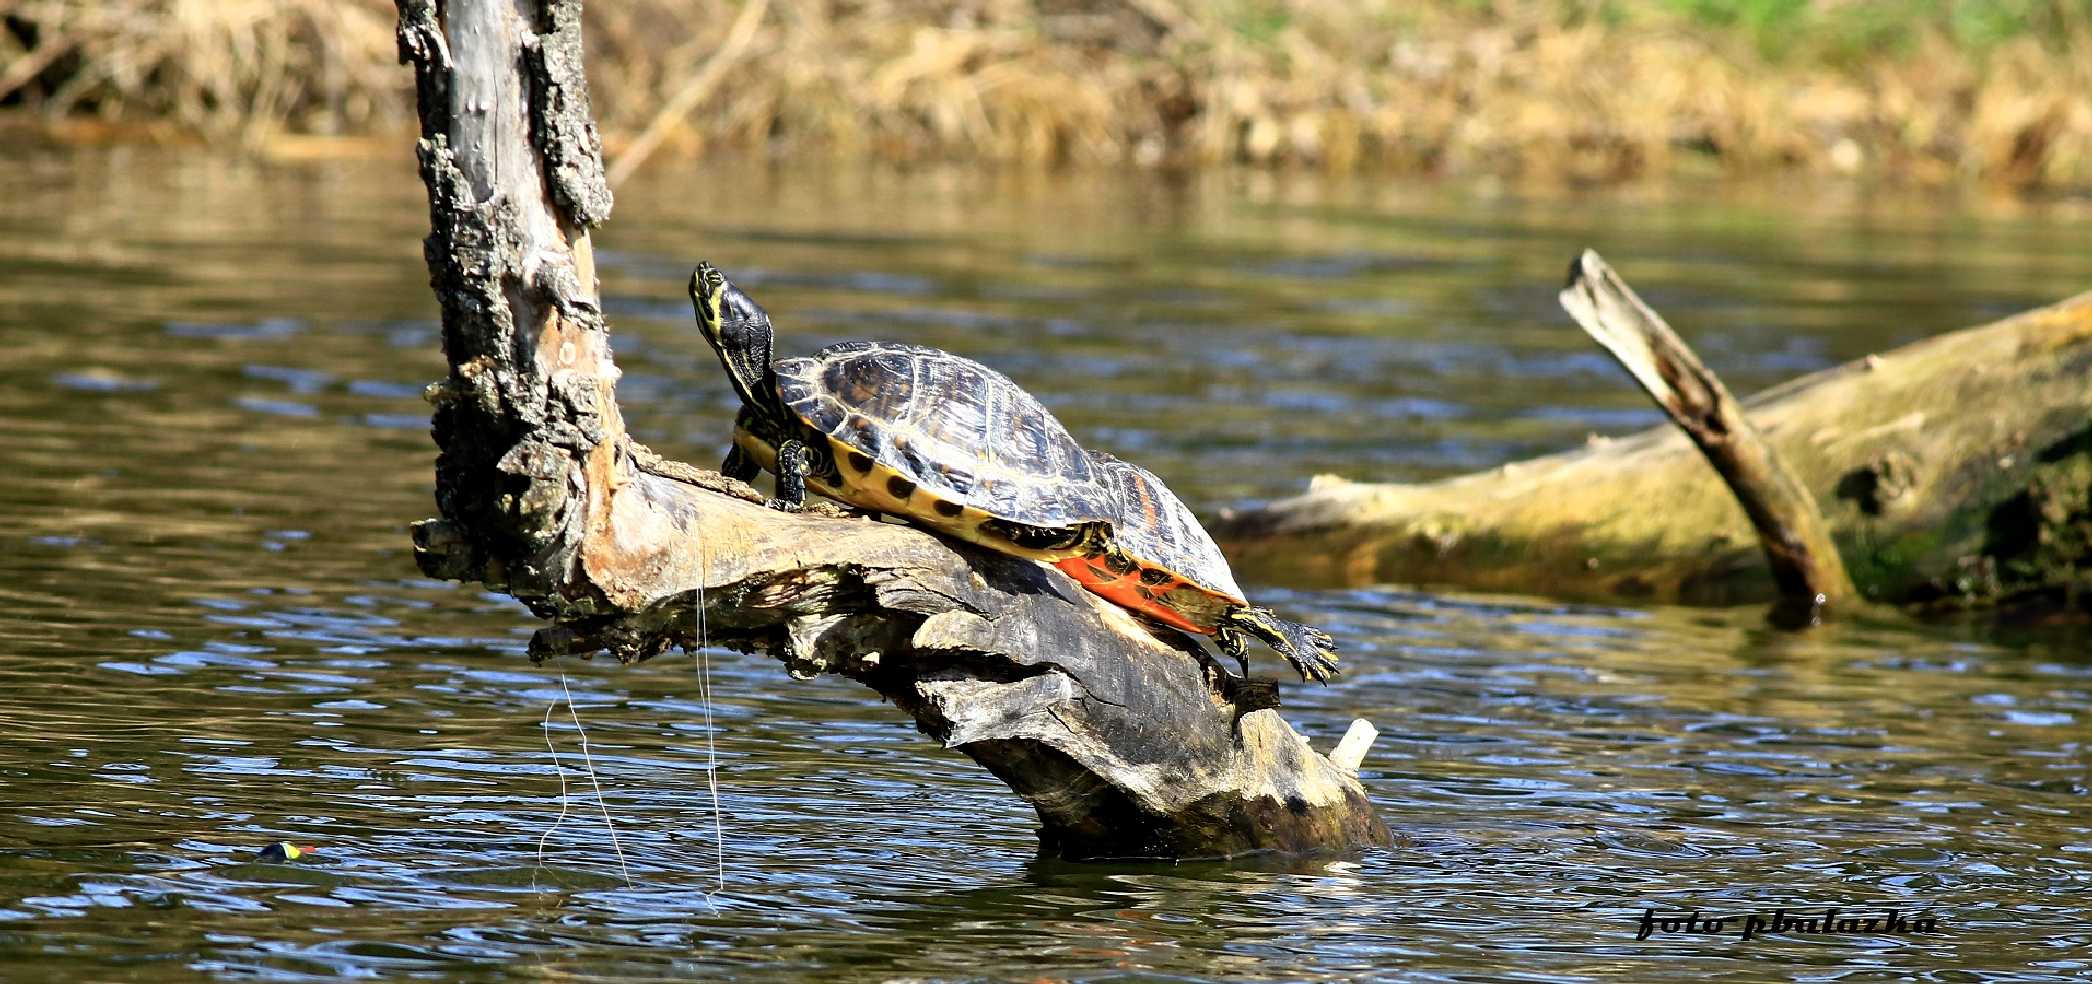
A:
[1952,472]
[1128,743]
[1804,561]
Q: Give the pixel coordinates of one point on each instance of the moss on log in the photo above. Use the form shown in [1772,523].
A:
[1952,472]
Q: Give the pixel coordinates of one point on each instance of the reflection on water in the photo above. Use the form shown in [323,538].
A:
[214,636]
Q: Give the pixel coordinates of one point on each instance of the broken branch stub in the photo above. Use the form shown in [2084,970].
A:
[1127,742]
[1797,542]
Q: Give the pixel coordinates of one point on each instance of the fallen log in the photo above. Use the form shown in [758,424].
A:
[1128,743]
[1952,472]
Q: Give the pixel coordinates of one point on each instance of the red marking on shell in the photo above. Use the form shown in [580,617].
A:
[1147,502]
[1126,590]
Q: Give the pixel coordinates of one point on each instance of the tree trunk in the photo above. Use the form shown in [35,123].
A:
[1954,471]
[1129,743]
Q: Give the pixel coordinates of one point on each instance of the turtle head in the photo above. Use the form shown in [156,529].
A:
[739,330]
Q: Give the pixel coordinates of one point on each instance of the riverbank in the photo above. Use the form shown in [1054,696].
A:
[1927,92]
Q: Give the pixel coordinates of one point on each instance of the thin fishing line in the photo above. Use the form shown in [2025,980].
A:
[590,762]
[561,770]
[704,691]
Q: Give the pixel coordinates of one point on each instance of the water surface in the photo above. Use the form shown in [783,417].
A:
[212,634]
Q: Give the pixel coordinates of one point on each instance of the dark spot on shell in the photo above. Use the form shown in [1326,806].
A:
[861,462]
[1153,576]
[900,488]
[949,510]
[1144,593]
[1100,573]
[1119,563]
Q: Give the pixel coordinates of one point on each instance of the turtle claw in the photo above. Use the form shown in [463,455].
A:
[1317,661]
[1317,665]
[1311,651]
[783,505]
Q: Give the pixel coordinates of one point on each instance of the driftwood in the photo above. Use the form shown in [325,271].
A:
[1952,472]
[1126,742]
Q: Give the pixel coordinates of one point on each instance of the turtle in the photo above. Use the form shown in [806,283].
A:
[902,430]
[948,443]
[1161,563]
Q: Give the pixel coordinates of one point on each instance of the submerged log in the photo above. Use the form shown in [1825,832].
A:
[1955,471]
[1129,743]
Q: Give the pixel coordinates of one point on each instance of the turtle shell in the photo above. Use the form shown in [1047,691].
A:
[905,418]
[1157,529]
[1179,576]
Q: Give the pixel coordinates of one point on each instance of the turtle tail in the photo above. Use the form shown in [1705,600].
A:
[1311,651]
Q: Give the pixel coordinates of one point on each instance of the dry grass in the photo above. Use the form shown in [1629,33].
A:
[1575,89]
[213,66]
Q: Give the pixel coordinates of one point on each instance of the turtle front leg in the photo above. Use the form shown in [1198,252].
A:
[739,465]
[791,477]
[1232,642]
[1311,651]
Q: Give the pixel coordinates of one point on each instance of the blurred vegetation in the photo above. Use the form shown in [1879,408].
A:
[1852,32]
[1917,90]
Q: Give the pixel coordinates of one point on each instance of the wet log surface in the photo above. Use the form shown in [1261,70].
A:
[1125,739]
[1954,472]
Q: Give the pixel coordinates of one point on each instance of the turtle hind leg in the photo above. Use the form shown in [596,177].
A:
[1311,651]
